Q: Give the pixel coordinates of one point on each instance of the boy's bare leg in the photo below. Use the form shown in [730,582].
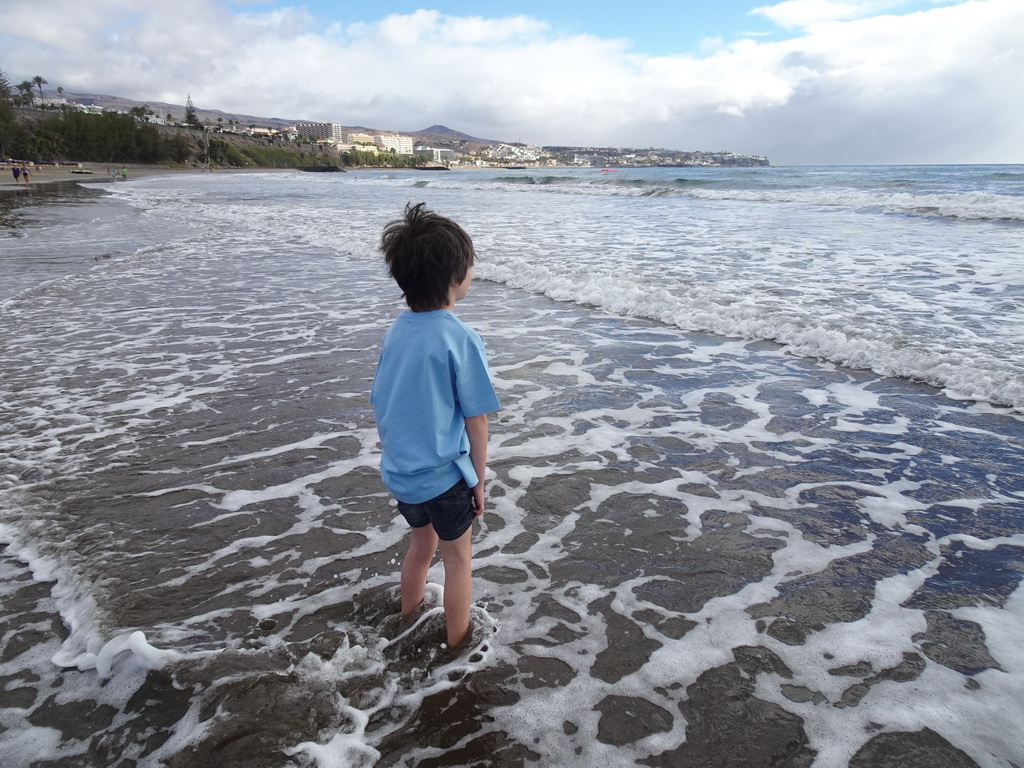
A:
[458,585]
[415,566]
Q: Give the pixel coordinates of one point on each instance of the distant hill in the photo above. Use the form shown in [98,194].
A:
[443,131]
[443,137]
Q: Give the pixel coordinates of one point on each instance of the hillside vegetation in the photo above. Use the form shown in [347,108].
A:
[32,135]
[36,135]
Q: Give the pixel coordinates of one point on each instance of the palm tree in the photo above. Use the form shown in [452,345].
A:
[25,86]
[38,80]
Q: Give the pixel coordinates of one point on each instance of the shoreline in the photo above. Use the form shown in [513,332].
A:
[100,173]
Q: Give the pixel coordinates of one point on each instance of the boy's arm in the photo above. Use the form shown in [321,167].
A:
[476,428]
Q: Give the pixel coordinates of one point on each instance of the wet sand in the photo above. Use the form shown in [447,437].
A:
[681,617]
[100,173]
[700,551]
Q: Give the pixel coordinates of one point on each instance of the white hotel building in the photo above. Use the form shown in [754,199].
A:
[322,131]
[401,144]
[333,133]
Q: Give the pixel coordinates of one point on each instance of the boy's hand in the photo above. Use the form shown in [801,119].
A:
[478,498]
[476,428]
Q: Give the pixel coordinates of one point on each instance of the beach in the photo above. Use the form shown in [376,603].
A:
[86,173]
[96,172]
[755,498]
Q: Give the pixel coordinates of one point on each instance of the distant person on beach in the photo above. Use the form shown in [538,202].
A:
[17,174]
[431,396]
[25,174]
[124,174]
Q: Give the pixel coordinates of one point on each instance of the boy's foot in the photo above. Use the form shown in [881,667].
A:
[449,653]
[398,624]
[464,643]
[474,644]
[417,641]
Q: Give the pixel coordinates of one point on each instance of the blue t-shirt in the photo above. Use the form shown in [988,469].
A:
[431,375]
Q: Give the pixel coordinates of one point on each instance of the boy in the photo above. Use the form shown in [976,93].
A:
[431,396]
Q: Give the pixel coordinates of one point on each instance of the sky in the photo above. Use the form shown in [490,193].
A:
[803,82]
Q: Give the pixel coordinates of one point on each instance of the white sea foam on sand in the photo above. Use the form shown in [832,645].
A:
[699,548]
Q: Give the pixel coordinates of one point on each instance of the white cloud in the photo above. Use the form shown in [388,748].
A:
[931,86]
[800,14]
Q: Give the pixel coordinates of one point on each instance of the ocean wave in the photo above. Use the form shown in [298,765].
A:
[668,184]
[536,180]
[964,206]
[968,373]
[109,263]
[897,197]
[922,313]
[613,185]
[975,206]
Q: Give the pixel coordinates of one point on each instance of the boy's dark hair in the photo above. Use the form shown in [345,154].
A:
[425,253]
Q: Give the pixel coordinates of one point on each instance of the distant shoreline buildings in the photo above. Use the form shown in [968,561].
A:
[516,155]
[442,150]
[333,134]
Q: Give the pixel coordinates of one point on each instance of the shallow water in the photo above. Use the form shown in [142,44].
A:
[700,549]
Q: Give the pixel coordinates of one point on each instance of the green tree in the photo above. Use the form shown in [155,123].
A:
[108,138]
[38,80]
[222,153]
[25,86]
[178,149]
[191,117]
[47,146]
[8,126]
[141,113]
[388,160]
[5,90]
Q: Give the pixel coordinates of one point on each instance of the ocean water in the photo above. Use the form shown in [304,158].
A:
[756,490]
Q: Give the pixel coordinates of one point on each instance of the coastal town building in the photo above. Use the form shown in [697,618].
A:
[445,156]
[519,153]
[360,138]
[402,145]
[322,131]
[350,147]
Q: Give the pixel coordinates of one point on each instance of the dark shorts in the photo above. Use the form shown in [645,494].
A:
[451,513]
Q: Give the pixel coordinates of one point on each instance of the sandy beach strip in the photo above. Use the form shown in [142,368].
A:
[101,173]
